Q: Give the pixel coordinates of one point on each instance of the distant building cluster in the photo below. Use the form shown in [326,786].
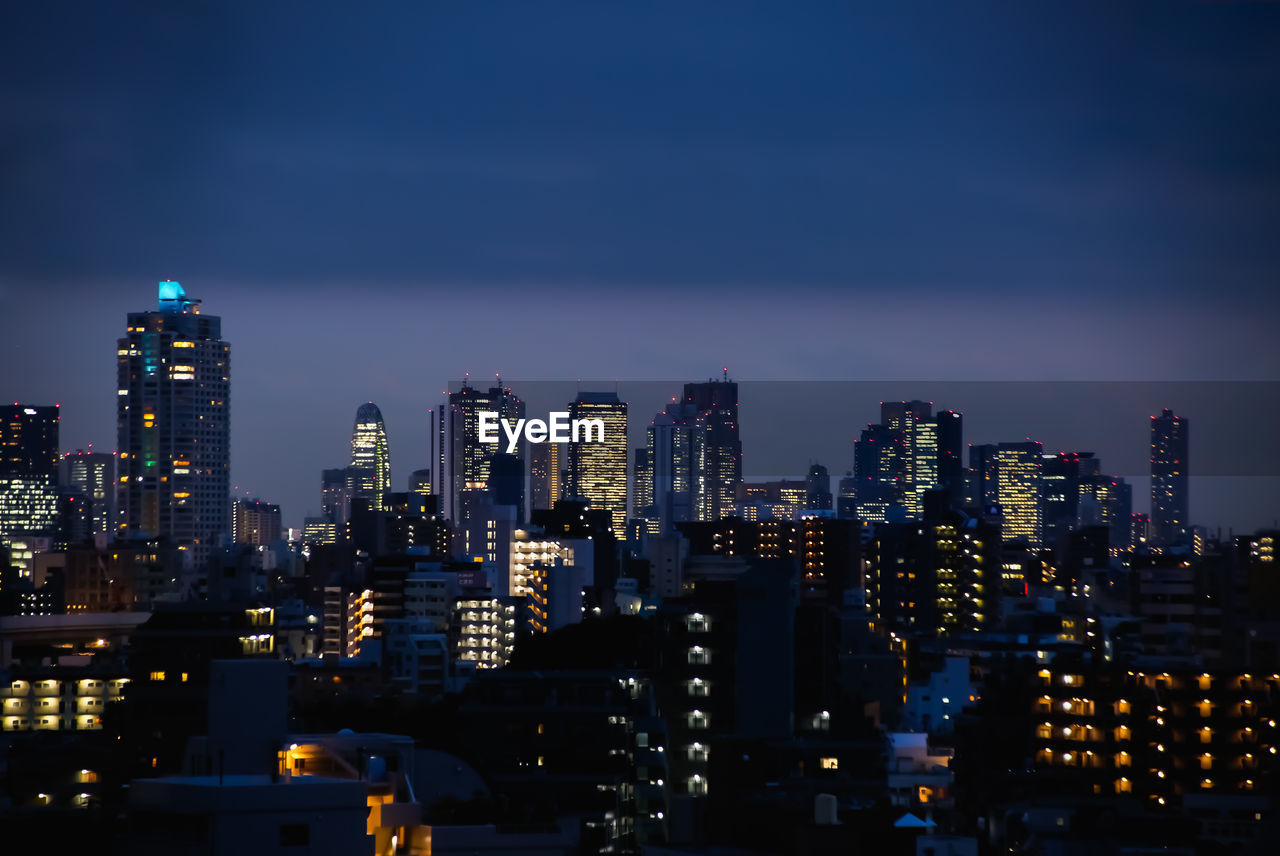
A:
[589,648]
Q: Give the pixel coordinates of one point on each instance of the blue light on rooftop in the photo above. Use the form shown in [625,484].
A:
[172,297]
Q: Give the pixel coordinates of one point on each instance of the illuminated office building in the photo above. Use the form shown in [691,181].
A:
[695,454]
[173,426]
[598,466]
[29,440]
[1169,495]
[1020,491]
[546,472]
[464,462]
[896,461]
[28,471]
[917,443]
[875,473]
[420,482]
[93,476]
[642,490]
[369,475]
[715,448]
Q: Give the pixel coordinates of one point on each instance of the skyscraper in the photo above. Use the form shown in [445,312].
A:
[875,472]
[335,496]
[715,447]
[642,491]
[28,471]
[173,426]
[817,489]
[951,474]
[670,467]
[1020,491]
[546,468]
[982,476]
[1169,494]
[695,455]
[370,473]
[598,469]
[464,462]
[93,475]
[917,434]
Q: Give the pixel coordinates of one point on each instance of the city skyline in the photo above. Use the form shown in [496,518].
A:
[1225,480]
[929,496]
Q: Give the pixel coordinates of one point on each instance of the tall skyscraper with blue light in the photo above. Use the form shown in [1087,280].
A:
[173,426]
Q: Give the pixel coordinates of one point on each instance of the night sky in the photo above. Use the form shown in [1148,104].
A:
[376,200]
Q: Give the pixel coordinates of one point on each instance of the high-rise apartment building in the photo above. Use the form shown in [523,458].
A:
[1020,491]
[28,471]
[173,426]
[93,476]
[598,461]
[369,475]
[255,522]
[1169,493]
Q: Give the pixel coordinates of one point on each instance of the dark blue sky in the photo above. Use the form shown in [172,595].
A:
[378,199]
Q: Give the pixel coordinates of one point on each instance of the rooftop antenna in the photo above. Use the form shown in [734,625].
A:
[726,373]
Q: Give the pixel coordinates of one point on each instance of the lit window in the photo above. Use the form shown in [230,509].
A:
[829,763]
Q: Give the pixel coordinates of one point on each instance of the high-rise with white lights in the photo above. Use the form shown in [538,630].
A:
[370,471]
[1169,494]
[173,426]
[28,471]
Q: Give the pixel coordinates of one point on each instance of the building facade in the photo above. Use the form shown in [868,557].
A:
[173,426]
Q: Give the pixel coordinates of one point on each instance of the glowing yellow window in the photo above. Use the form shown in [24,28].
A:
[829,763]
[1123,706]
[1124,786]
[157,676]
[1206,761]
